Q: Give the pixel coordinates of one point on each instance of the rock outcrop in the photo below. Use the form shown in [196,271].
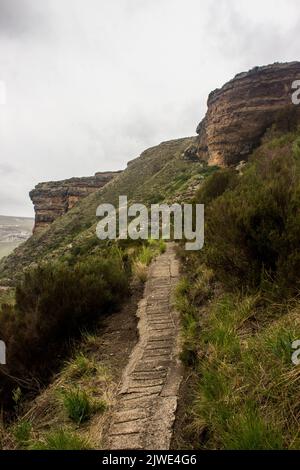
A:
[242,110]
[55,198]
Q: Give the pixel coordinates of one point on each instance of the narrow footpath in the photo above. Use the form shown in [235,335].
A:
[146,403]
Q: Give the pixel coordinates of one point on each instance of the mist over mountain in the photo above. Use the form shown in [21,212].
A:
[13,232]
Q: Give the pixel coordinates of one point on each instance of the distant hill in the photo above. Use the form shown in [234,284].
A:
[13,232]
[158,174]
[172,171]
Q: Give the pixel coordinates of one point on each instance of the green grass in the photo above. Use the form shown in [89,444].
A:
[157,245]
[239,306]
[146,255]
[246,385]
[100,406]
[188,320]
[162,246]
[78,405]
[240,309]
[22,433]
[80,366]
[61,439]
[248,431]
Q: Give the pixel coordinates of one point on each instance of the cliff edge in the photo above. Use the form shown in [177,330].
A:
[239,113]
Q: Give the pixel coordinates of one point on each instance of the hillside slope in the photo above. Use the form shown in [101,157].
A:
[239,304]
[158,174]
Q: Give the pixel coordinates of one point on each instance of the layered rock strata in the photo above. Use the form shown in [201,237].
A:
[55,198]
[242,110]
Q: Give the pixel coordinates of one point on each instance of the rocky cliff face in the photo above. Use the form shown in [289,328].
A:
[55,198]
[239,113]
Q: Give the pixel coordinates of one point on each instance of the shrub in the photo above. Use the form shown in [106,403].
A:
[53,303]
[252,228]
[216,184]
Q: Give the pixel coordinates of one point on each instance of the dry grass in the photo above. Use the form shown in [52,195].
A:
[140,271]
[48,416]
[246,395]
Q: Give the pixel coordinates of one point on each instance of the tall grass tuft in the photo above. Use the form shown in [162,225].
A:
[61,439]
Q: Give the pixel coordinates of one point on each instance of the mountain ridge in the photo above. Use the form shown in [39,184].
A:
[238,116]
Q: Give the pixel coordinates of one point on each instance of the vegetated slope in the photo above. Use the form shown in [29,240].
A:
[157,174]
[240,307]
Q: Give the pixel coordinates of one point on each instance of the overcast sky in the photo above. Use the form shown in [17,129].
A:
[91,83]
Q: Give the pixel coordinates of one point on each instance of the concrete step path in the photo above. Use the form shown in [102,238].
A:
[145,408]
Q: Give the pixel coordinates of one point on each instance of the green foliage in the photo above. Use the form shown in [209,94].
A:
[189,322]
[22,432]
[140,271]
[146,255]
[53,303]
[239,350]
[216,184]
[61,439]
[17,395]
[249,431]
[157,245]
[80,366]
[86,246]
[252,227]
[100,406]
[145,179]
[77,404]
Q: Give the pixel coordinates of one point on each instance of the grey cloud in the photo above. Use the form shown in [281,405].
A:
[6,169]
[109,79]
[19,17]
[257,40]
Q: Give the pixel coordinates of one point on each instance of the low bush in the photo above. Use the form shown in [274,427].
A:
[54,302]
[252,221]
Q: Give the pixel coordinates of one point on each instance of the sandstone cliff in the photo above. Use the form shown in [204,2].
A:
[239,113]
[55,198]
